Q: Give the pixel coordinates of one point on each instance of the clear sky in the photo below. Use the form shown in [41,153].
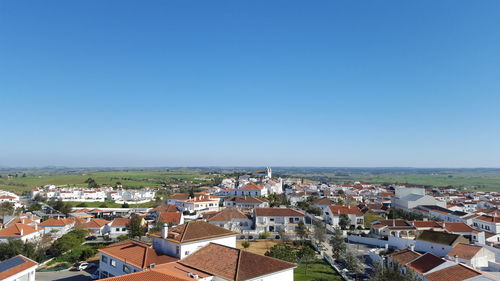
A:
[290,83]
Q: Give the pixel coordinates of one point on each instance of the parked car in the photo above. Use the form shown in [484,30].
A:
[85,265]
[90,238]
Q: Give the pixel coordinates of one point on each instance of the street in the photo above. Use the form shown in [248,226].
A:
[63,275]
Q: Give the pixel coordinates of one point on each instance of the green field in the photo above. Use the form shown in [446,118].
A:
[316,271]
[466,180]
[130,179]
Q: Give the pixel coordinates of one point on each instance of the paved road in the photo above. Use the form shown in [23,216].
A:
[63,275]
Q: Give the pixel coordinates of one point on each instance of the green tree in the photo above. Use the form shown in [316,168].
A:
[353,263]
[6,209]
[135,227]
[338,244]
[283,252]
[319,231]
[306,255]
[34,207]
[302,231]
[344,221]
[125,205]
[383,272]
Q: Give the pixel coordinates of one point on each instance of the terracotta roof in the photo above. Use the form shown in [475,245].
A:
[56,222]
[95,223]
[425,263]
[278,212]
[181,269]
[464,251]
[150,275]
[135,253]
[170,217]
[233,264]
[120,222]
[15,230]
[489,218]
[351,210]
[457,227]
[27,263]
[196,230]
[166,208]
[404,256]
[19,220]
[180,196]
[323,201]
[228,214]
[457,272]
[252,186]
[425,224]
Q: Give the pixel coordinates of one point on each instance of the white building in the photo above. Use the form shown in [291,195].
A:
[18,268]
[182,240]
[277,219]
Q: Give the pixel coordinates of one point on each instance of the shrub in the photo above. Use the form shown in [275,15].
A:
[264,235]
[245,244]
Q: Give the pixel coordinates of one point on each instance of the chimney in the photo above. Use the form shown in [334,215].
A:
[164,231]
[36,226]
[393,222]
[21,231]
[22,221]
[412,247]
[455,258]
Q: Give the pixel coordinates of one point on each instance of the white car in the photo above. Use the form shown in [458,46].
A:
[85,265]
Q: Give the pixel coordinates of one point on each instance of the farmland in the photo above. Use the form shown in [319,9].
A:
[27,180]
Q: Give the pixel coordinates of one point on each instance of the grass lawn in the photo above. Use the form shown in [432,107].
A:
[369,218]
[258,247]
[318,270]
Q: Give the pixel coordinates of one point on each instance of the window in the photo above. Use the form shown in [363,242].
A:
[124,229]
[126,269]
[112,262]
[104,259]
[296,219]
[186,253]
[117,229]
[177,250]
[271,219]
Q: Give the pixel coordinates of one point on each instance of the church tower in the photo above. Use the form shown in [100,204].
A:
[269,172]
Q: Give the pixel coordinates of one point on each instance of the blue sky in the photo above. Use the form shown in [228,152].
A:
[289,83]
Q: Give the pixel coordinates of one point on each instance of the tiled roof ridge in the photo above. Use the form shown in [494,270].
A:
[184,232]
[238,265]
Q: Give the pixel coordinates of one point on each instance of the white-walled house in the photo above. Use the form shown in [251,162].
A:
[118,227]
[19,231]
[471,255]
[18,268]
[245,202]
[487,223]
[57,227]
[438,243]
[127,257]
[215,262]
[182,240]
[277,219]
[232,219]
[333,213]
[96,226]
